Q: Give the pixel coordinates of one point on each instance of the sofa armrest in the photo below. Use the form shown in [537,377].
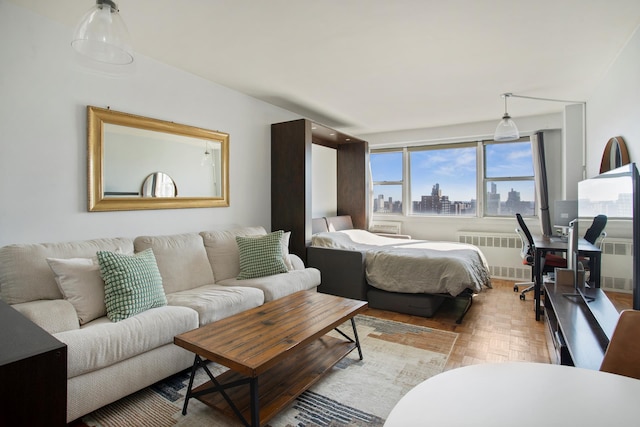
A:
[51,315]
[297,262]
[342,272]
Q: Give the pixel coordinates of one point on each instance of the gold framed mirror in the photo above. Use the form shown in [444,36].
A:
[129,154]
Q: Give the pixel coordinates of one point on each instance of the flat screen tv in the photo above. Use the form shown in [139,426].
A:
[616,194]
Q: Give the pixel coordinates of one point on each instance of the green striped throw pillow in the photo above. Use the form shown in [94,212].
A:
[132,283]
[260,255]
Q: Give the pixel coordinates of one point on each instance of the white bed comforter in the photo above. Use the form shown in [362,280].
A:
[413,266]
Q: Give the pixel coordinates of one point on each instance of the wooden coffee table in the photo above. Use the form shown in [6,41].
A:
[274,352]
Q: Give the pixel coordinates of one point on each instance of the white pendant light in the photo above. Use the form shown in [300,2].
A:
[507,129]
[102,35]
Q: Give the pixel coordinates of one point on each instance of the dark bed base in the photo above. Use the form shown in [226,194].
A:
[416,304]
[343,274]
[424,305]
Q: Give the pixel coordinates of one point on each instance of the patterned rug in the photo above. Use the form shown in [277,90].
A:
[397,356]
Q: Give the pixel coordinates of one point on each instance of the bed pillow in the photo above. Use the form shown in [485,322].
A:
[132,283]
[80,282]
[261,256]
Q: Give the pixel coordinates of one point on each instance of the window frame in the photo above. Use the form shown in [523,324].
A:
[486,180]
[401,183]
[436,147]
[481,177]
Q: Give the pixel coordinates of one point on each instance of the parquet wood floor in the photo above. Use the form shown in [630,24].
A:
[499,327]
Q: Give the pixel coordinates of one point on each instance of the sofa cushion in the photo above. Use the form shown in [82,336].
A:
[132,283]
[260,255]
[26,276]
[280,285]
[215,302]
[182,260]
[80,282]
[102,343]
[222,250]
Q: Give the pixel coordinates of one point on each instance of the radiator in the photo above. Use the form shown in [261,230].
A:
[502,251]
[388,227]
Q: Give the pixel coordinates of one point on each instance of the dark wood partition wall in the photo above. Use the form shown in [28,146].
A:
[353,162]
[291,181]
[291,178]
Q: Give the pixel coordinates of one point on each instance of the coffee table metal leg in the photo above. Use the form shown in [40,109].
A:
[217,387]
[355,338]
[255,403]
[193,374]
[355,334]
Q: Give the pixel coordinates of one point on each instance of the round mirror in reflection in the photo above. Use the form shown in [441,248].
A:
[159,184]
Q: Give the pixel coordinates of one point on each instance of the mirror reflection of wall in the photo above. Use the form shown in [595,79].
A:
[131,154]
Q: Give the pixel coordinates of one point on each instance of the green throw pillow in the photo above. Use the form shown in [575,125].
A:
[132,283]
[260,255]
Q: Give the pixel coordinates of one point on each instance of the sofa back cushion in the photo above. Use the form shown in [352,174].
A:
[182,260]
[26,276]
[222,250]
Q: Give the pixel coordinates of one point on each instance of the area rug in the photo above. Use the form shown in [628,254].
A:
[397,356]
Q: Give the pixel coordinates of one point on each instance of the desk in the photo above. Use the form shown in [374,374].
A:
[502,394]
[546,244]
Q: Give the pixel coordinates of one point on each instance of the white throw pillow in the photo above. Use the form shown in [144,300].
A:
[284,244]
[80,282]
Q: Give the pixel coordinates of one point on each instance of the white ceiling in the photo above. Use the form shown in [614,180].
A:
[365,66]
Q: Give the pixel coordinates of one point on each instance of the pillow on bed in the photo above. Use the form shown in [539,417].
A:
[261,256]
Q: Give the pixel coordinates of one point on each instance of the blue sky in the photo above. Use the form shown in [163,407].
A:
[455,170]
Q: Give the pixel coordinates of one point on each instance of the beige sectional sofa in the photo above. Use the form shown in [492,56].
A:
[108,360]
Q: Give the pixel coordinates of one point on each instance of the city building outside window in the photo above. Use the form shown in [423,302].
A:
[509,183]
[387,175]
[443,179]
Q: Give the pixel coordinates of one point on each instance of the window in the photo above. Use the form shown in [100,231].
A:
[509,184]
[387,174]
[443,180]
[450,179]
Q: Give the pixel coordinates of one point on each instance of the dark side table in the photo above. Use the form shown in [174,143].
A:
[33,373]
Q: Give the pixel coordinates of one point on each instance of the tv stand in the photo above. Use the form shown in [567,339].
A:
[579,325]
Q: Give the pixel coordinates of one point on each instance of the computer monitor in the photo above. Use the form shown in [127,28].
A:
[565,211]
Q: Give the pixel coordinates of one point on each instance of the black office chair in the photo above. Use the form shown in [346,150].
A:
[597,228]
[527,254]
[528,257]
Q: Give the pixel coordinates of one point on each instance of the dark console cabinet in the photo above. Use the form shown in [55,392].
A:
[33,373]
[578,332]
[291,178]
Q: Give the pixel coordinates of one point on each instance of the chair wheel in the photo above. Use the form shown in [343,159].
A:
[522,297]
[515,288]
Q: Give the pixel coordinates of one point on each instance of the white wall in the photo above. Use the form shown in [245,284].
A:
[43,176]
[614,107]
[324,181]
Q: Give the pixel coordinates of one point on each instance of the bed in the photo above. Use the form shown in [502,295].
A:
[399,274]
